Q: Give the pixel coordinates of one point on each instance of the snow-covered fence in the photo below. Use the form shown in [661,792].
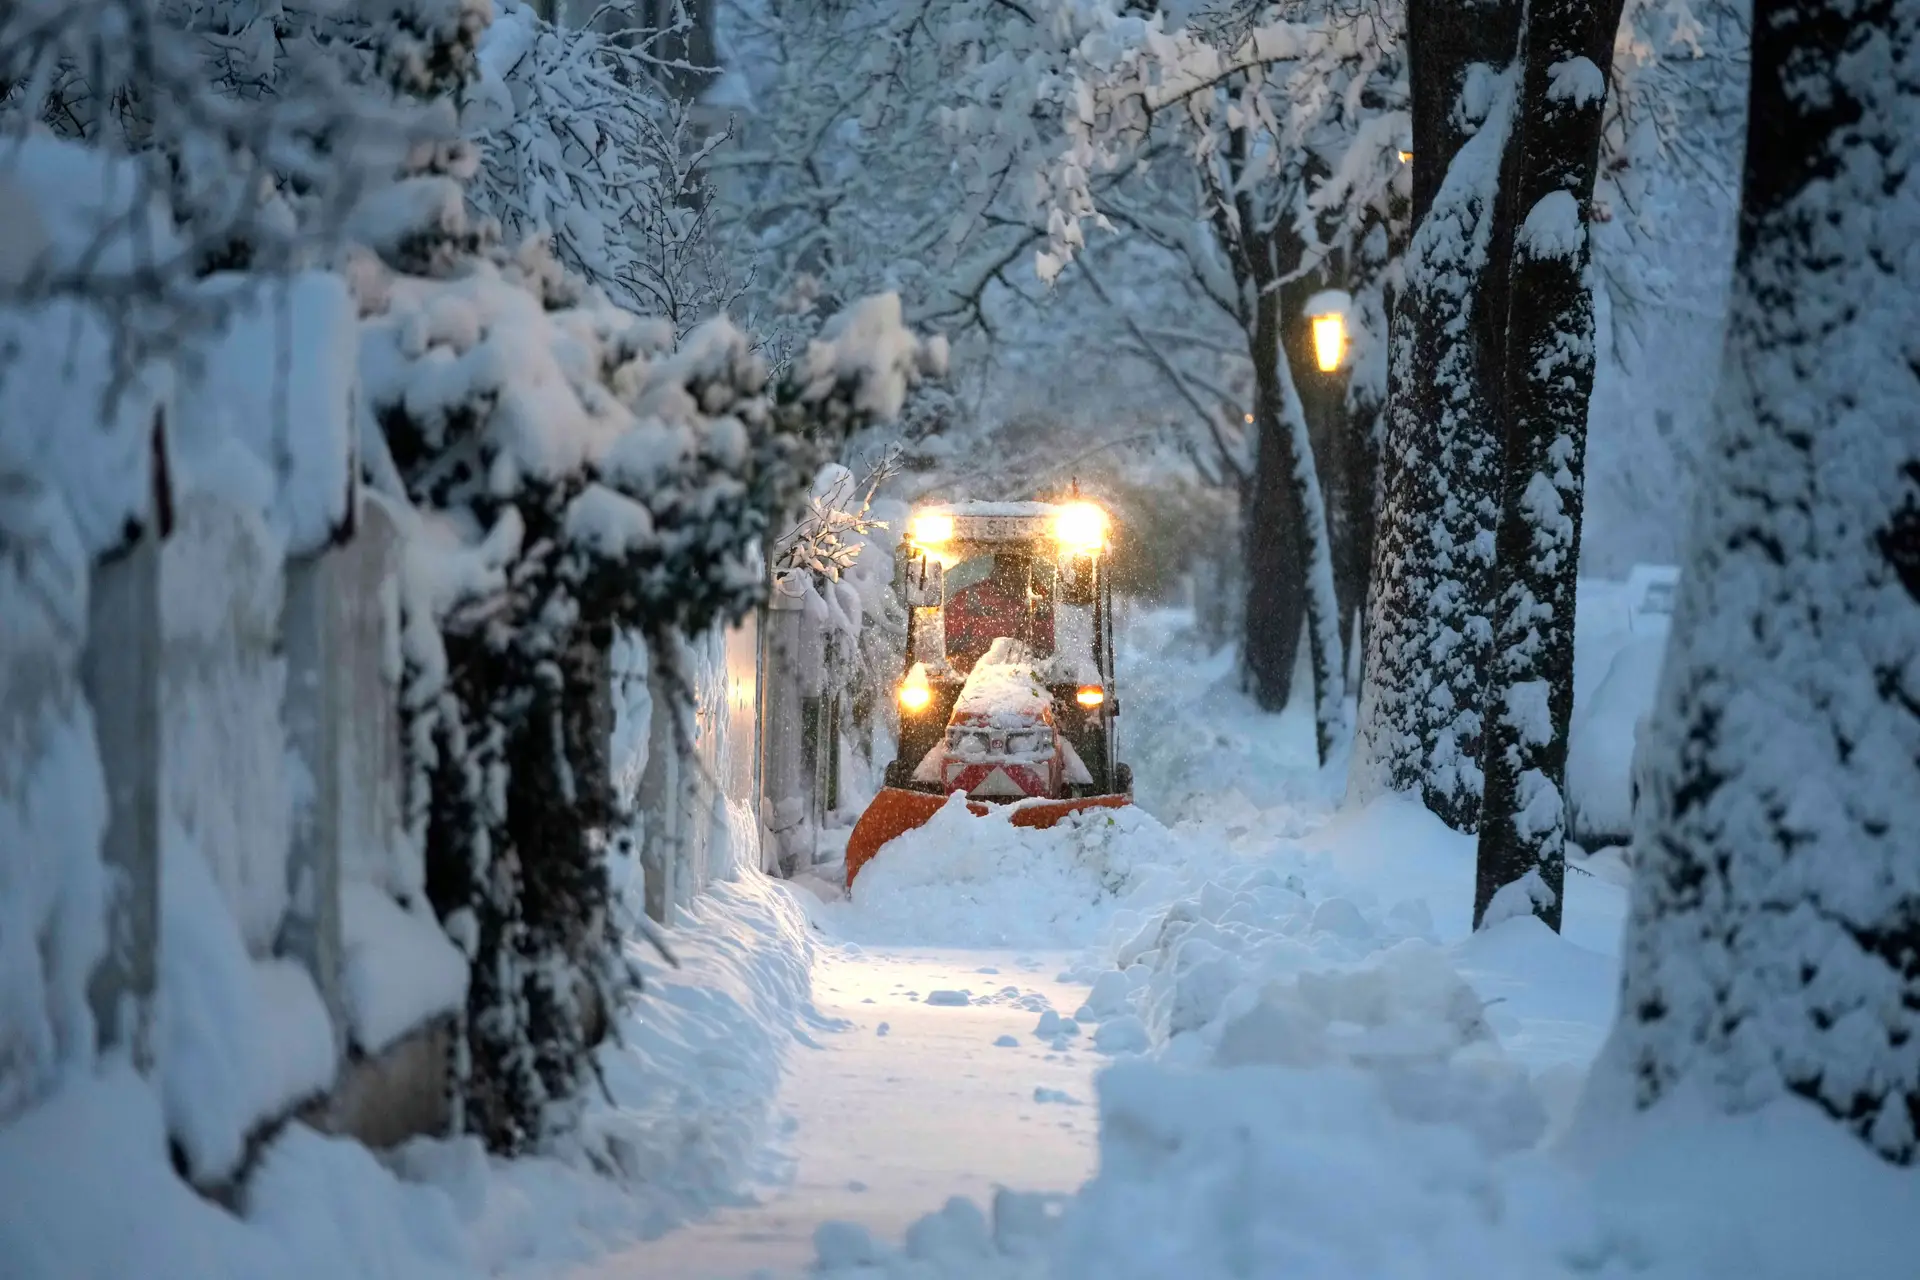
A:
[692,793]
[268,946]
[793,663]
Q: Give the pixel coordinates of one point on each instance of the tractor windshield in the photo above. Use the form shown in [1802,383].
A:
[1007,593]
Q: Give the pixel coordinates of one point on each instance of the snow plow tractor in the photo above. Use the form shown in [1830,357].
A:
[1008,693]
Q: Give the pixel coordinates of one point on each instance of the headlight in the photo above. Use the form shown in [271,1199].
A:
[1080,528]
[931,530]
[915,693]
[1090,695]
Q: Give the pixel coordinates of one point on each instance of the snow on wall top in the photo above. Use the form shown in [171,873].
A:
[267,417]
[68,209]
[1003,689]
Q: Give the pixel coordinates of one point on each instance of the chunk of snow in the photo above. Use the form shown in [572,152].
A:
[1576,80]
[948,998]
[1554,227]
[1004,689]
[240,1040]
[398,968]
[1125,1034]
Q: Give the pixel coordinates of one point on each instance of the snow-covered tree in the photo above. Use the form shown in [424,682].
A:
[1773,946]
[1566,51]
[1428,628]
[1468,683]
[1292,124]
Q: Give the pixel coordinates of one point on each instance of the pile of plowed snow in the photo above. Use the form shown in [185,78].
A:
[967,880]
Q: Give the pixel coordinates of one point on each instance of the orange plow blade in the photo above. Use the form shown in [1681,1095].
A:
[896,811]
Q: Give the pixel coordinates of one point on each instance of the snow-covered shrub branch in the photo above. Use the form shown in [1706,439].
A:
[580,143]
[829,538]
[260,130]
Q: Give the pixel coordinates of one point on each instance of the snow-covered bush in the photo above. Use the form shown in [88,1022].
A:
[570,471]
[578,143]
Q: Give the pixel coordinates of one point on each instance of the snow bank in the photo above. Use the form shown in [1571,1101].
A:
[963,880]
[1600,749]
[693,1081]
[87,1192]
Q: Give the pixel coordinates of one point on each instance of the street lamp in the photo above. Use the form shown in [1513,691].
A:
[1326,312]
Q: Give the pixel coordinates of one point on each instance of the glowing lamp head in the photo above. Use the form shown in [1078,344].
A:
[1329,340]
[915,693]
[1406,157]
[1080,529]
[1090,696]
[932,530]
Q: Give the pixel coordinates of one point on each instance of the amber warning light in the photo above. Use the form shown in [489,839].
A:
[1090,695]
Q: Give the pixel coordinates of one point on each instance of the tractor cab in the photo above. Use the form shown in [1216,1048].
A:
[1008,693]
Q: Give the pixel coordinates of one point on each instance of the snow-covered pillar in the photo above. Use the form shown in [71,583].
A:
[340,625]
[784,789]
[659,801]
[121,673]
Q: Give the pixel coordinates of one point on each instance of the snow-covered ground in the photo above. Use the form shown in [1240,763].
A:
[1228,1032]
[981,975]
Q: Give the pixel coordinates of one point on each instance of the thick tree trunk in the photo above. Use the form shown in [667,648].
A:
[1276,608]
[1773,945]
[1549,365]
[1427,629]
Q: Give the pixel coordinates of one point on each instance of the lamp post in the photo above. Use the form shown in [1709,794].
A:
[1326,312]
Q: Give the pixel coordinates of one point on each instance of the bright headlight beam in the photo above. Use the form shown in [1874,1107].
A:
[915,693]
[1081,528]
[931,530]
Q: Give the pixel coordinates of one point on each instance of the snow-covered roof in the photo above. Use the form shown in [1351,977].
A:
[995,521]
[958,509]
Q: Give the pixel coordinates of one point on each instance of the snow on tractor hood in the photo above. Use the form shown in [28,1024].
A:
[1004,689]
